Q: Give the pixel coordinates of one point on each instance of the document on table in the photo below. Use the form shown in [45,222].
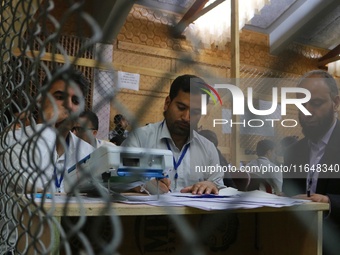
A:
[227,198]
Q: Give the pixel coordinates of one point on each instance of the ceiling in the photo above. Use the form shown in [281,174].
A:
[310,22]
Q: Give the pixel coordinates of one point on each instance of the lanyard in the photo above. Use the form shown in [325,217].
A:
[176,164]
[57,181]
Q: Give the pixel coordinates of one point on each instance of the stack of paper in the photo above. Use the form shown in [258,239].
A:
[228,198]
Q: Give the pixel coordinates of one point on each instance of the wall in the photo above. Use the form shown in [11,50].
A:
[145,46]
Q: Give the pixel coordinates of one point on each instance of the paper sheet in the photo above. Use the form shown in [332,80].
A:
[227,199]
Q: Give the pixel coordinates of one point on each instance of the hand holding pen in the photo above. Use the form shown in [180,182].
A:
[314,197]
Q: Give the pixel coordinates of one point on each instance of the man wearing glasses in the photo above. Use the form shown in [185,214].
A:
[86,128]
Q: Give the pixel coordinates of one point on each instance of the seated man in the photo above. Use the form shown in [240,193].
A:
[121,125]
[34,158]
[86,128]
[39,154]
[318,153]
[182,111]
[265,150]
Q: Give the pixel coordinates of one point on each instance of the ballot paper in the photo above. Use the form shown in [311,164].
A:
[227,199]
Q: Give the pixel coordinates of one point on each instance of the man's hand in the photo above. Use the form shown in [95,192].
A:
[163,186]
[314,198]
[205,187]
[151,186]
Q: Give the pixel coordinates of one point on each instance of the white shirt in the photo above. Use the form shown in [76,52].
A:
[200,153]
[274,179]
[30,154]
[28,157]
[100,142]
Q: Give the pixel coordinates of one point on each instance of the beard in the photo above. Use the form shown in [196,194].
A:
[178,127]
[319,128]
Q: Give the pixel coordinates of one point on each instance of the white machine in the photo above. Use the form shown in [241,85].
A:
[117,167]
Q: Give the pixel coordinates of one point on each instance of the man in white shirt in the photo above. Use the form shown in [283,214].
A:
[38,155]
[35,158]
[182,111]
[86,128]
[121,124]
[265,150]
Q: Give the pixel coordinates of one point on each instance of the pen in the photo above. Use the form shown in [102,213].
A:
[309,185]
[41,195]
[167,176]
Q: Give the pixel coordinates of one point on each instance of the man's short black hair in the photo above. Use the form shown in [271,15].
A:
[264,146]
[117,119]
[327,77]
[187,83]
[67,75]
[91,117]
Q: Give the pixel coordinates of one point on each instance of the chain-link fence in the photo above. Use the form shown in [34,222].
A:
[45,41]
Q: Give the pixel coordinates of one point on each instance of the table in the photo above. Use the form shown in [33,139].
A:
[265,230]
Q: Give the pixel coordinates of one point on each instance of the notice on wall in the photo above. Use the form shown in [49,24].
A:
[127,80]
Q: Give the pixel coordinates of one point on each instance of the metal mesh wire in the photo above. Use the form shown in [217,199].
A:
[32,45]
[34,41]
